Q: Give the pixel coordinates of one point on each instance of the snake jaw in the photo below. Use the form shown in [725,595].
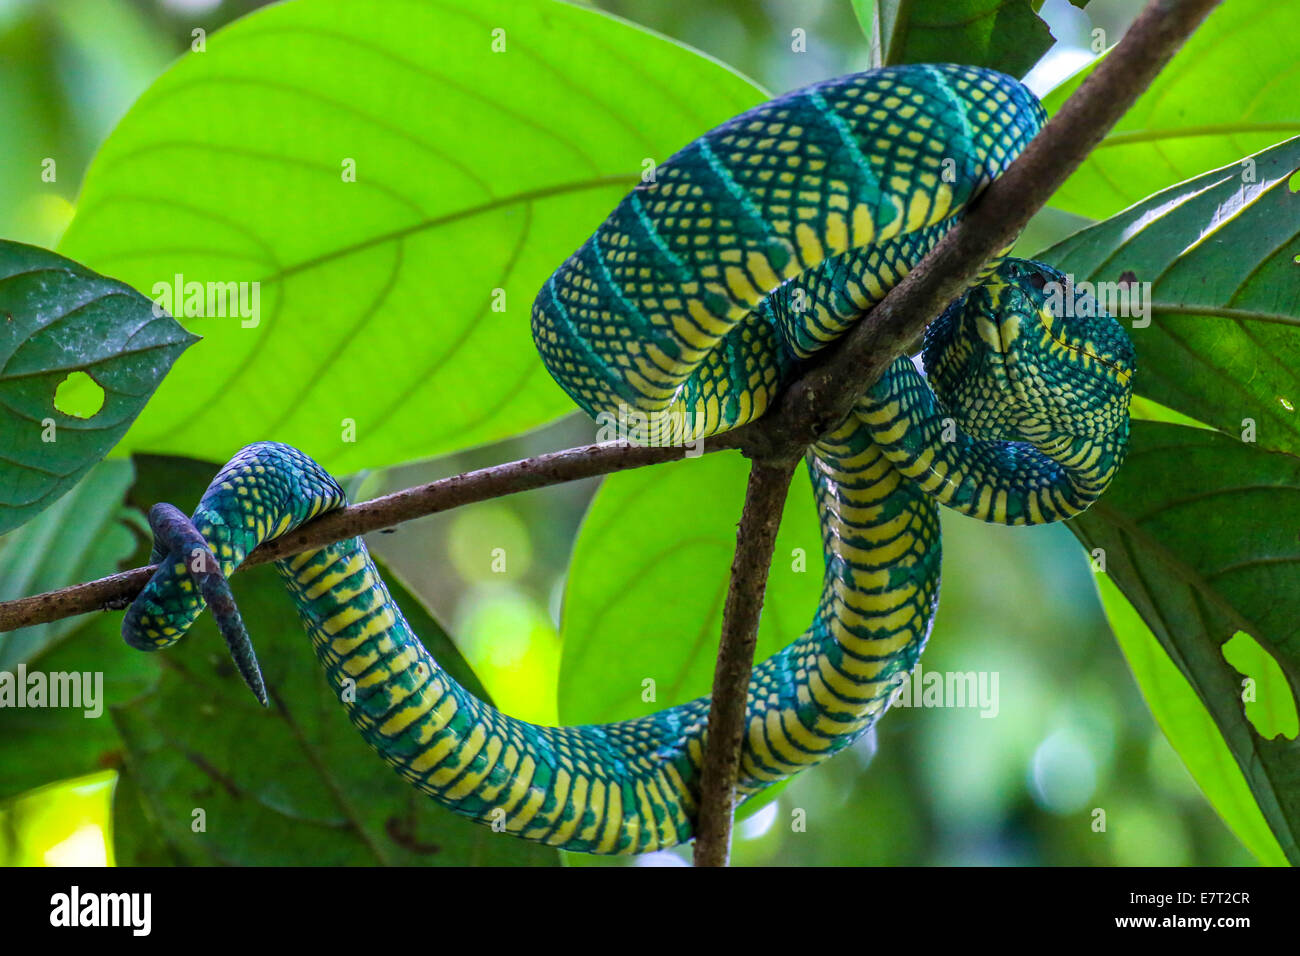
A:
[177,538]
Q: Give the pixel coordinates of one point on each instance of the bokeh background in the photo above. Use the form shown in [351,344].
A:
[931,785]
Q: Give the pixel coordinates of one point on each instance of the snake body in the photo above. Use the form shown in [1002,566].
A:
[755,246]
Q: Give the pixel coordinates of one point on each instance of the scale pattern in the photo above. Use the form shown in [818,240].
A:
[693,303]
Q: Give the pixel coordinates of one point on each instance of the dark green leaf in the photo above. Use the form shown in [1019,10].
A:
[135,836]
[1200,533]
[1004,35]
[292,784]
[1223,345]
[60,321]
[1189,727]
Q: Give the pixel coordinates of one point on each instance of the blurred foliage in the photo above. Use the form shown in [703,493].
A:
[1004,35]
[932,785]
[1221,98]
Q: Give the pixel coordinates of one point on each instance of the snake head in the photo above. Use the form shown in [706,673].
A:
[1024,354]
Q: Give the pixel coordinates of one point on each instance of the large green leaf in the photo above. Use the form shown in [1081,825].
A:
[475,171]
[1199,532]
[1223,344]
[644,595]
[1230,91]
[1004,35]
[80,355]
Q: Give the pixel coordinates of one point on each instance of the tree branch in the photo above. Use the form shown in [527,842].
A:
[587,461]
[755,541]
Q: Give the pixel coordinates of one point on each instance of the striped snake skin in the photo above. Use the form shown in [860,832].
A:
[695,301]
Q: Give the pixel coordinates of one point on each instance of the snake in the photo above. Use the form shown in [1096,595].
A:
[702,294]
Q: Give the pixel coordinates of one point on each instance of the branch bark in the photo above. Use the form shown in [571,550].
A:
[755,541]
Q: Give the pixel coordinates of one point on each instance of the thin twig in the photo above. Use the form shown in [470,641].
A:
[755,541]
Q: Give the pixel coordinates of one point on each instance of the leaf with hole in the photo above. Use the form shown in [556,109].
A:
[361,256]
[1199,533]
[80,354]
[1189,727]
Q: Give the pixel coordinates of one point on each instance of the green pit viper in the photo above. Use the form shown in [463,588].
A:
[700,296]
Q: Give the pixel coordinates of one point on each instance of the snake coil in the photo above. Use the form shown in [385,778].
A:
[693,304]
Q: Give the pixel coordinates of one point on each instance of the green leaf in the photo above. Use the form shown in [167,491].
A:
[1189,727]
[82,536]
[865,12]
[57,320]
[294,784]
[46,744]
[1226,94]
[1223,344]
[135,836]
[645,589]
[1004,35]
[476,173]
[1199,533]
